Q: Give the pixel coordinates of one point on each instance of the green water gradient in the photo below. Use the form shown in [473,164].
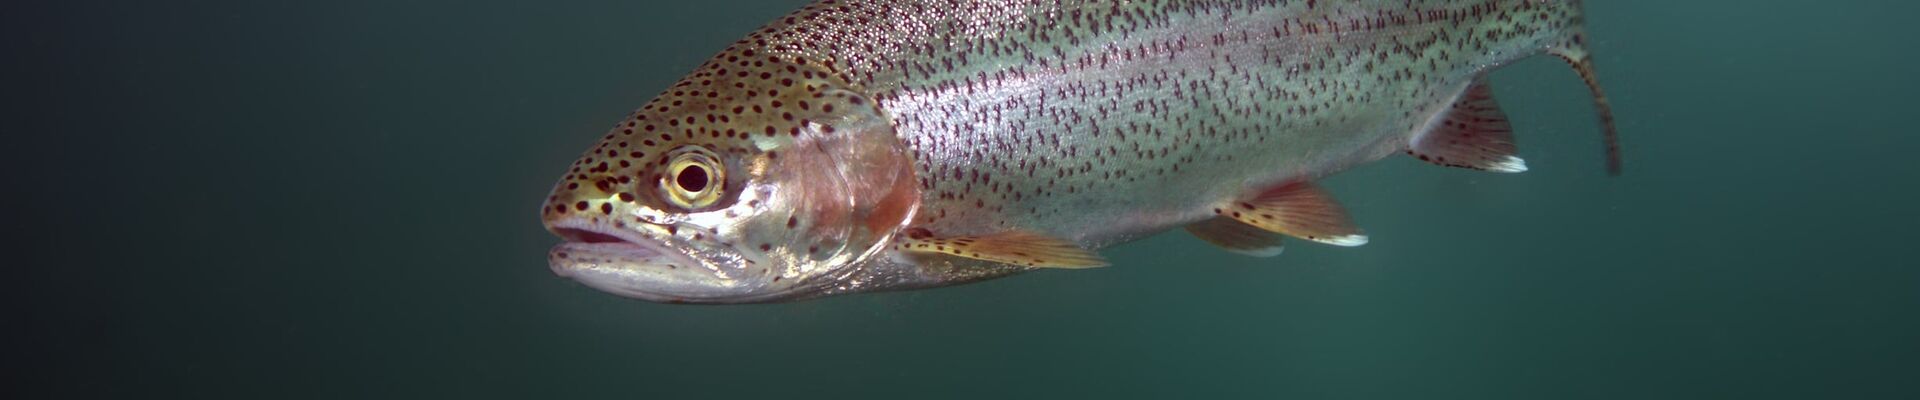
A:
[247,199]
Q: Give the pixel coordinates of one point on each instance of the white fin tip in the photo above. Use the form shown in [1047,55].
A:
[1348,240]
[1509,164]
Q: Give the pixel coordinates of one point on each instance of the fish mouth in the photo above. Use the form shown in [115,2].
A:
[577,235]
[633,265]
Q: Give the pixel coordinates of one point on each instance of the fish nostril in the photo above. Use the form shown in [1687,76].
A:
[584,236]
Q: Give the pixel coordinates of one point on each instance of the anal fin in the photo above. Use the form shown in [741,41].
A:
[1298,209]
[1237,237]
[1011,247]
[1472,133]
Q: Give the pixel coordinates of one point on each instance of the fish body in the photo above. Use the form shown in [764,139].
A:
[896,144]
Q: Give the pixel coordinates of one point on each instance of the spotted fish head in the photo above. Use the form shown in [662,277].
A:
[754,179]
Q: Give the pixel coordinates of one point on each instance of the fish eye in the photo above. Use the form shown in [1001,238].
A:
[694,178]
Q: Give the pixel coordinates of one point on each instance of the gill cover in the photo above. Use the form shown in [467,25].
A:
[845,183]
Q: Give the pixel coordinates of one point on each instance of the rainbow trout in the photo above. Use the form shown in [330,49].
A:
[866,145]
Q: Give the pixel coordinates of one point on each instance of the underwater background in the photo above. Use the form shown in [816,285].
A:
[338,199]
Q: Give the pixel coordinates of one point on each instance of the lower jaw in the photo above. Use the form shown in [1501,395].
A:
[642,272]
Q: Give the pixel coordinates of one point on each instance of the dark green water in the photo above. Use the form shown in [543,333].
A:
[338,199]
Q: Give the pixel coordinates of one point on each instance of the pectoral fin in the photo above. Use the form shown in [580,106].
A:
[1472,133]
[1012,247]
[1297,209]
[1237,237]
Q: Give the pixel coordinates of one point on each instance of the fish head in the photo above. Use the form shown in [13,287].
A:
[741,184]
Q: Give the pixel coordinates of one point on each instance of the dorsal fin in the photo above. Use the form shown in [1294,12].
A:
[1298,209]
[1237,237]
[1021,248]
[1472,133]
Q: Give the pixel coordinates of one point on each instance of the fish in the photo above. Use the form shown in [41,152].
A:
[858,146]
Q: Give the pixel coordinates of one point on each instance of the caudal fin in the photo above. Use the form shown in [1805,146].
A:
[1575,53]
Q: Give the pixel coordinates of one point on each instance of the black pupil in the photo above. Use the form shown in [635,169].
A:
[693,178]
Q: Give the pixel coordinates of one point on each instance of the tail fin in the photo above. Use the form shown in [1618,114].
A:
[1575,53]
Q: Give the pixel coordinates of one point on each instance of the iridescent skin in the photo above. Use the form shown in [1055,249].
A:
[1093,121]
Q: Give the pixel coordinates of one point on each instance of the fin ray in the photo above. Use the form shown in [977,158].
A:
[1011,247]
[1299,209]
[1472,133]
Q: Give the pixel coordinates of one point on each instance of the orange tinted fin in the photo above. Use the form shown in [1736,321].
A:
[1011,247]
[1473,133]
[1297,209]
[1237,237]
